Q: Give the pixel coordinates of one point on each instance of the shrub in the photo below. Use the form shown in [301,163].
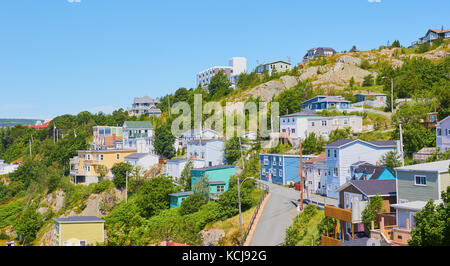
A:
[192,204]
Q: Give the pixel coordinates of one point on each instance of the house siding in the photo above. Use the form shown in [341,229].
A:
[408,191]
[74,232]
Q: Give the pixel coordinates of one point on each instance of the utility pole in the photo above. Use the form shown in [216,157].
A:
[168,101]
[301,176]
[54,133]
[392,95]
[30,150]
[126,187]
[401,143]
[239,192]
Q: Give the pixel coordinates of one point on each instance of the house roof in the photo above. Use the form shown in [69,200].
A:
[439,166]
[378,143]
[204,140]
[273,62]
[177,160]
[145,99]
[372,187]
[178,194]
[374,170]
[197,131]
[328,99]
[79,219]
[321,157]
[216,182]
[442,121]
[413,205]
[137,155]
[214,167]
[302,113]
[138,124]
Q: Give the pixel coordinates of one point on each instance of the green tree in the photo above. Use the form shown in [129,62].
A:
[396,43]
[313,144]
[352,82]
[339,133]
[374,206]
[368,81]
[391,159]
[432,223]
[220,85]
[201,187]
[164,141]
[232,150]
[192,204]
[185,178]
[353,49]
[119,171]
[29,224]
[153,195]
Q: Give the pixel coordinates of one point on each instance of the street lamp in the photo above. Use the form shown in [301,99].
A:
[392,93]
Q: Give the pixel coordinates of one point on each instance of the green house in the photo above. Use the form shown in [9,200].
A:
[218,176]
[177,198]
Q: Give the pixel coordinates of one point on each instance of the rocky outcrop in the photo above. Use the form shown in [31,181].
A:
[54,200]
[212,237]
[270,89]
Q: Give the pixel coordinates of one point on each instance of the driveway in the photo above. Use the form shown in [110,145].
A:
[278,215]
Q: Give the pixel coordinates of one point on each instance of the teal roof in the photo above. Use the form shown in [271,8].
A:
[138,124]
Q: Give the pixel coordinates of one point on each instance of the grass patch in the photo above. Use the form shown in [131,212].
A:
[9,212]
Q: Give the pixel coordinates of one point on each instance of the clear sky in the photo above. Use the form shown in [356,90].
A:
[66,56]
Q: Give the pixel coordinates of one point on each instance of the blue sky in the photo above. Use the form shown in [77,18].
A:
[60,56]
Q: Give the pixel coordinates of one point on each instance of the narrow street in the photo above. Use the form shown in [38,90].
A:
[277,215]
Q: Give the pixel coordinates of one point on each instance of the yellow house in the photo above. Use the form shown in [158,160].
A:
[90,164]
[78,231]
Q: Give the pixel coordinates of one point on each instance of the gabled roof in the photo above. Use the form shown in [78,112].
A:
[137,155]
[372,187]
[138,124]
[442,121]
[177,160]
[216,182]
[79,219]
[378,143]
[321,157]
[307,113]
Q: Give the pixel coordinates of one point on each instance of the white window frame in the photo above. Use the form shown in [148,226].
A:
[415,180]
[280,173]
[266,160]
[118,156]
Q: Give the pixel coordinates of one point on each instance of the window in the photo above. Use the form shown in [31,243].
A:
[263,171]
[274,161]
[174,200]
[101,157]
[293,130]
[335,171]
[420,180]
[280,174]
[318,171]
[345,121]
[329,155]
[335,153]
[220,189]
[83,243]
[313,124]
[324,122]
[280,162]
[88,156]
[438,131]
[266,160]
[118,156]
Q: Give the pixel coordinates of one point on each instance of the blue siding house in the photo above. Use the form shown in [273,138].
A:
[281,168]
[177,198]
[367,171]
[341,154]
[320,103]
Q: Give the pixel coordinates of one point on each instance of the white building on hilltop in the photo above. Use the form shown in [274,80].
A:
[236,66]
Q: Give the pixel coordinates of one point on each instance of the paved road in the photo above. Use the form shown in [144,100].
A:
[277,216]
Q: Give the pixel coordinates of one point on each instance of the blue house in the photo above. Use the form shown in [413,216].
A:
[367,171]
[176,199]
[320,103]
[342,154]
[281,168]
[218,178]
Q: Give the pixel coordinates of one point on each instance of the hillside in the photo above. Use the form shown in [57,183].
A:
[10,122]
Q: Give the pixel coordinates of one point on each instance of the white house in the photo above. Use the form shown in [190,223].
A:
[315,173]
[341,154]
[443,135]
[210,152]
[144,160]
[236,66]
[300,125]
[7,168]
